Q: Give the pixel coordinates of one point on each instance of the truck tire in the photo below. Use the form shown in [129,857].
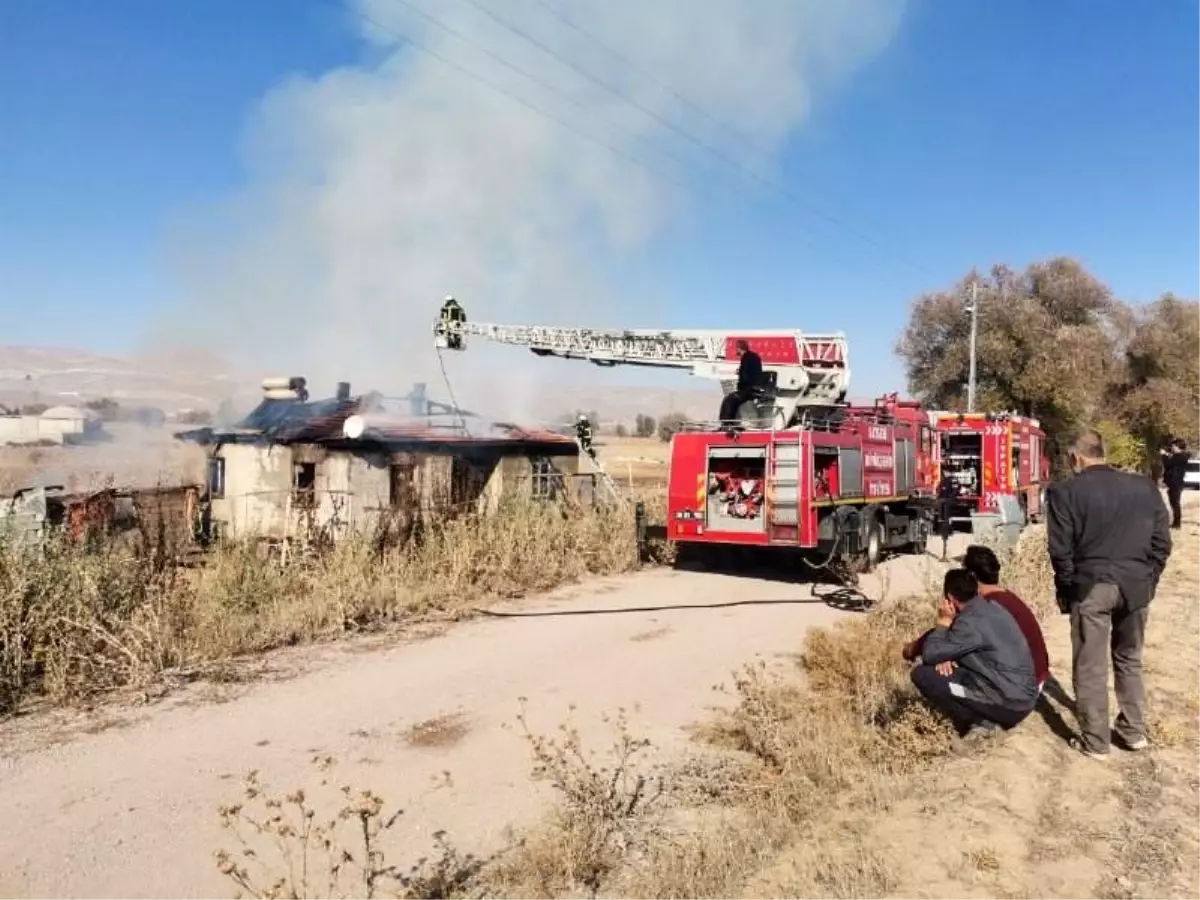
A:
[873,548]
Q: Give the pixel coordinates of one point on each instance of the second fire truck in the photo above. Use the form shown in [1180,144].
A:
[993,459]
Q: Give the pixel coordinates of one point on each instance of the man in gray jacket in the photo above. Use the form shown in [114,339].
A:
[976,666]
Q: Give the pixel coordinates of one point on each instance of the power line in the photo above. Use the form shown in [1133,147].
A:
[406,39]
[520,71]
[650,76]
[516,98]
[687,135]
[757,147]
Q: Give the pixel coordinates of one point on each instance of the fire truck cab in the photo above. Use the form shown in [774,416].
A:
[994,460]
[849,483]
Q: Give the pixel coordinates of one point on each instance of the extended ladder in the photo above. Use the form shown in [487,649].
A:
[598,470]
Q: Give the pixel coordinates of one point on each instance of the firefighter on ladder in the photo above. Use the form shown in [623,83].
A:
[583,433]
[453,318]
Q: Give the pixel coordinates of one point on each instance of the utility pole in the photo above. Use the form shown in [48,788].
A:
[973,309]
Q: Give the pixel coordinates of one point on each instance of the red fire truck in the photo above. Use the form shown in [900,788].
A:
[993,458]
[850,484]
[800,470]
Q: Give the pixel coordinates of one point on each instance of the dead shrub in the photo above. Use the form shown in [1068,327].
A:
[598,821]
[329,845]
[77,621]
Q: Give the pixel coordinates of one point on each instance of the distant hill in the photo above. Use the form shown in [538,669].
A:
[175,382]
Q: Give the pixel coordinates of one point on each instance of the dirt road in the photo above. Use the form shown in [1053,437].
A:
[130,810]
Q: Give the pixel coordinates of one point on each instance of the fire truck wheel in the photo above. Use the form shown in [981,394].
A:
[874,547]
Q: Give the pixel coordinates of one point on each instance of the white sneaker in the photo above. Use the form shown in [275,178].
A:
[1139,744]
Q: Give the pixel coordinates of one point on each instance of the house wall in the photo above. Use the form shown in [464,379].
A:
[258,482]
[353,491]
[30,430]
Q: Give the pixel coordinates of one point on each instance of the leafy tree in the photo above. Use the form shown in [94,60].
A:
[107,409]
[1046,343]
[1158,394]
[195,417]
[621,430]
[669,424]
[645,426]
[1125,449]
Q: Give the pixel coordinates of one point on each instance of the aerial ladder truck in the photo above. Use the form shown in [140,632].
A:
[802,471]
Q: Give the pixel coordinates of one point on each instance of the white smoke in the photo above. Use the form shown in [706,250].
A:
[376,190]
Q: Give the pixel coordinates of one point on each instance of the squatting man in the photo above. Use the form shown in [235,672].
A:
[977,665]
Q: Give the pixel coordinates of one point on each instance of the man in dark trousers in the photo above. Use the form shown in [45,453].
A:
[976,666]
[1175,463]
[947,499]
[750,376]
[1109,542]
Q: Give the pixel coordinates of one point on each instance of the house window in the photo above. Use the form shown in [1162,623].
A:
[304,483]
[216,477]
[401,485]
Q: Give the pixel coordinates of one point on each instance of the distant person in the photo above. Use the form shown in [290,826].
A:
[1175,465]
[749,380]
[583,433]
[947,499]
[975,665]
[1109,542]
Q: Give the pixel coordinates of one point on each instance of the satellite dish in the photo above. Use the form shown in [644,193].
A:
[353,427]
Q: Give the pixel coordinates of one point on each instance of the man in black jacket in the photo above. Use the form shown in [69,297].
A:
[1175,463]
[750,376]
[1109,542]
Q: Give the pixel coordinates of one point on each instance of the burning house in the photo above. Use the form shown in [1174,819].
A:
[297,467]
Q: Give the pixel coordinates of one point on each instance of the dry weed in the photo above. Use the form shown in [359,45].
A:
[289,847]
[76,621]
[443,731]
[599,820]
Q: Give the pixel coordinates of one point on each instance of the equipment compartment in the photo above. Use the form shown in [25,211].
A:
[735,489]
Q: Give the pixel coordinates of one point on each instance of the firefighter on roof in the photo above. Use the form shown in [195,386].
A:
[453,318]
[583,433]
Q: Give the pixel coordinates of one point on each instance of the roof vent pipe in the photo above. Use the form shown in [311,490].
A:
[343,391]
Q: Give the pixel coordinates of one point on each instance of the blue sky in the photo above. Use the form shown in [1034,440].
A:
[984,132]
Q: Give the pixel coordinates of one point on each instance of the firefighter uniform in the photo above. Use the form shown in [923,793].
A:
[453,318]
[583,433]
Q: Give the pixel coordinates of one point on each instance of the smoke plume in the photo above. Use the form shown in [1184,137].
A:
[375,190]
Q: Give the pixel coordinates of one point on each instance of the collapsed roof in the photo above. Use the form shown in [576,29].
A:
[371,421]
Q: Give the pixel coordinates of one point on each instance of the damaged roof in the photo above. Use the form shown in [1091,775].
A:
[444,430]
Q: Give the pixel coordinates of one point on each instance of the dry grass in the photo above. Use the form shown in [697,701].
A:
[442,731]
[75,622]
[328,844]
[834,781]
[635,463]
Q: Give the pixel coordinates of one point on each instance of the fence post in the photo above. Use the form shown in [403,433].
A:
[639,527]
